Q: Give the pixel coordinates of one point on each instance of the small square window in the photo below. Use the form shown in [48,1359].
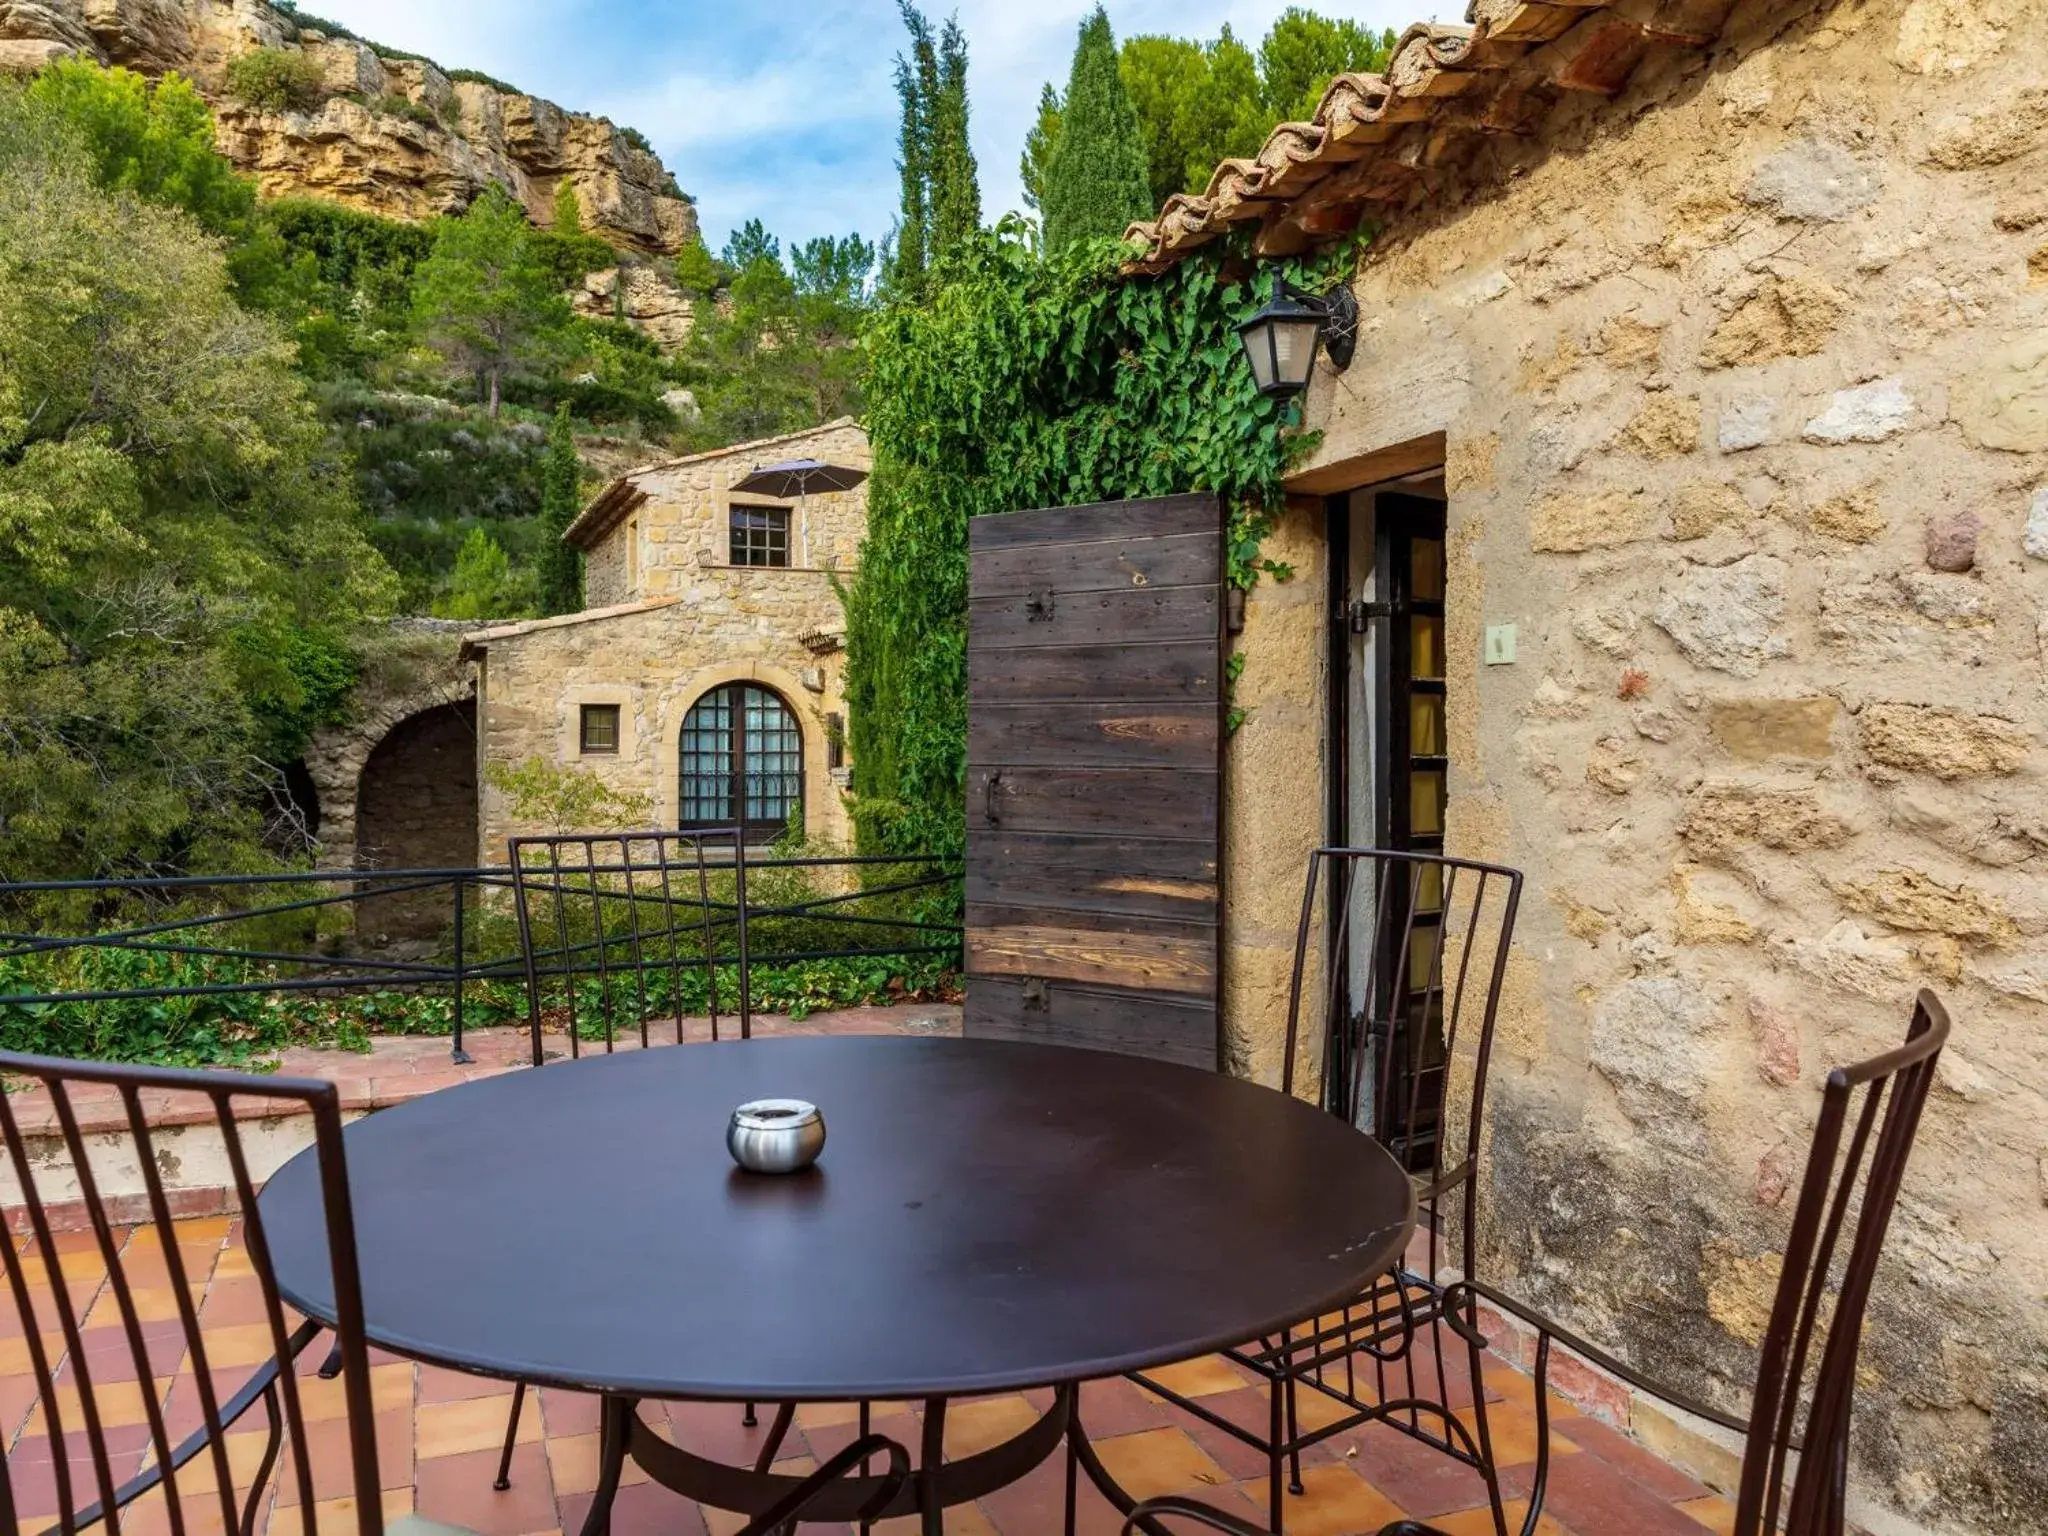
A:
[760,536]
[600,728]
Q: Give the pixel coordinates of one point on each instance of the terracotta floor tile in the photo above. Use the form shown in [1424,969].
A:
[390,1387]
[332,1517]
[1157,1461]
[1337,1502]
[444,1386]
[979,1423]
[1205,1377]
[1644,1469]
[1595,1498]
[1420,1478]
[1479,1522]
[646,1509]
[457,1490]
[572,1462]
[1714,1512]
[566,1413]
[1511,1429]
[1120,1407]
[471,1424]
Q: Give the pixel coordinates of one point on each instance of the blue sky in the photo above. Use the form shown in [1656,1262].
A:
[783,110]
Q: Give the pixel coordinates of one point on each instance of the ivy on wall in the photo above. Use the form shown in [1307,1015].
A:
[1019,381]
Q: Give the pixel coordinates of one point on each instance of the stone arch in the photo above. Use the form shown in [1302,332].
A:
[416,668]
[416,808]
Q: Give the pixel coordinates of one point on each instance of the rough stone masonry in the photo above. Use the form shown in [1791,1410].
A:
[1742,385]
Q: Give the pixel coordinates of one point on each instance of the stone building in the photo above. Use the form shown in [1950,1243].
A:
[1704,360]
[707,673]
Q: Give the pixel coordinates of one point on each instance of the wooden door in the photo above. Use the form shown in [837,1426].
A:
[1094,759]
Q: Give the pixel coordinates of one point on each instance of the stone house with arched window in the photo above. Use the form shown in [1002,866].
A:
[707,671]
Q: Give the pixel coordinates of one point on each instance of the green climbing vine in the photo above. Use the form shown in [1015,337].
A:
[1020,380]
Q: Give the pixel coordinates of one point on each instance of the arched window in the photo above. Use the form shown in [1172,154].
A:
[742,761]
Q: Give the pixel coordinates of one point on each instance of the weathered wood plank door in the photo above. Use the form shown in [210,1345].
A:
[1094,759]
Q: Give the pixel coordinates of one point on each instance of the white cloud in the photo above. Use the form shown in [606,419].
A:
[785,111]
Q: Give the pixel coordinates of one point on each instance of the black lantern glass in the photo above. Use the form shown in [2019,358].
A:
[1280,341]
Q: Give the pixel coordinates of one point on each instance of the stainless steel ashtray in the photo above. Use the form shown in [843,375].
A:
[775,1135]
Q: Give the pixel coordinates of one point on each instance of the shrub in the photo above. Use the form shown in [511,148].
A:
[394,104]
[276,80]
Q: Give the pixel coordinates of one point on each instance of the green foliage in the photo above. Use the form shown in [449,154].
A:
[152,140]
[566,247]
[1200,103]
[275,80]
[171,513]
[1303,52]
[941,193]
[564,799]
[1038,147]
[485,298]
[1095,182]
[1029,381]
[780,354]
[484,585]
[234,1029]
[561,565]
[637,139]
[478,77]
[397,104]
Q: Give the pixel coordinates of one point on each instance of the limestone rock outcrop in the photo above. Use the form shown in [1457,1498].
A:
[392,136]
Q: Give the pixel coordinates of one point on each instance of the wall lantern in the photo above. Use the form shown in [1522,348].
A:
[1280,340]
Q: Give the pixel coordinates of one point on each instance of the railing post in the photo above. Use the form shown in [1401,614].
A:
[739,887]
[457,1054]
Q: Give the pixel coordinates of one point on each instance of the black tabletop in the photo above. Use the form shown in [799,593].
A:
[986,1216]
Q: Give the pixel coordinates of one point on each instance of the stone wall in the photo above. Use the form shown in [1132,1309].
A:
[665,546]
[654,662]
[1743,382]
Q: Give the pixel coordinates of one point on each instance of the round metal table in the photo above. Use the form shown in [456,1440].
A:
[986,1217]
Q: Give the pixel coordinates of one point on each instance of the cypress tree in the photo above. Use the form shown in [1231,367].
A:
[561,565]
[955,190]
[1098,181]
[917,87]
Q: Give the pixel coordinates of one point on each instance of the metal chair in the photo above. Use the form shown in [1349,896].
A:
[1414,952]
[1806,1370]
[77,1370]
[83,1369]
[601,913]
[598,913]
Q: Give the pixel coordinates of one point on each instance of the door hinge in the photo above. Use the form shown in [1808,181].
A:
[1359,614]
[1037,995]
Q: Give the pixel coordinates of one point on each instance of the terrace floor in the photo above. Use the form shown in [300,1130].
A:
[439,1434]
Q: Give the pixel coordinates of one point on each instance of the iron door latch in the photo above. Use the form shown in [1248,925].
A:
[1038,606]
[1037,995]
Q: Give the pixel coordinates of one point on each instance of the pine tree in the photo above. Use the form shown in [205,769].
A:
[955,189]
[1098,182]
[561,564]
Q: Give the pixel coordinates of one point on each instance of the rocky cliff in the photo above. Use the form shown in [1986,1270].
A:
[390,135]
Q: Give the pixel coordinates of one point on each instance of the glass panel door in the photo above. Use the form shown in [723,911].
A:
[1414,772]
[741,762]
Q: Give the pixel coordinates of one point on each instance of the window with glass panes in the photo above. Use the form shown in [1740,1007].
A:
[741,761]
[600,728]
[760,536]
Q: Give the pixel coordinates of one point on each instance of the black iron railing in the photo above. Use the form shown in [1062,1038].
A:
[425,933]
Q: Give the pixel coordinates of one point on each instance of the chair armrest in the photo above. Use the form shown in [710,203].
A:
[1145,1514]
[1548,1332]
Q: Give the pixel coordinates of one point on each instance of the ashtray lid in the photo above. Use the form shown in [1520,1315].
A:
[775,1114]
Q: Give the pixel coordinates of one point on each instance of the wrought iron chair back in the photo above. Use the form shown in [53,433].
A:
[1850,1188]
[62,1279]
[601,913]
[1420,941]
[1416,956]
[1806,1374]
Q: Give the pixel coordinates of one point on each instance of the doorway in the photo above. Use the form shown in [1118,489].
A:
[1388,576]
